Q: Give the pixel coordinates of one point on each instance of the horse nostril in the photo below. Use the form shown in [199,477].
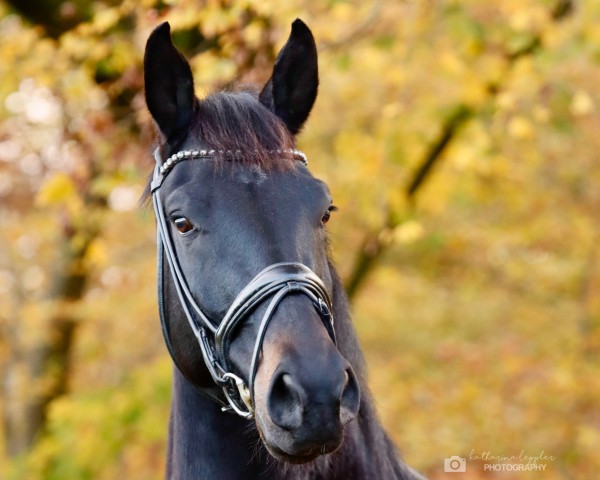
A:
[289,400]
[350,399]
[284,402]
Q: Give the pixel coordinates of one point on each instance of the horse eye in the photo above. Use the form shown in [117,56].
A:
[327,215]
[183,225]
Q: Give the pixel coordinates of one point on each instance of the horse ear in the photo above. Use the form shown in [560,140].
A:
[169,83]
[292,89]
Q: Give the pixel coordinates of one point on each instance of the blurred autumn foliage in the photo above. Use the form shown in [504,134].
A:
[460,140]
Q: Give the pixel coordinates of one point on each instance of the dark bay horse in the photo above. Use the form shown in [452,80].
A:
[269,379]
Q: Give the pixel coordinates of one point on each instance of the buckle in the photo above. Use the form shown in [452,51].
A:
[244,394]
[323,308]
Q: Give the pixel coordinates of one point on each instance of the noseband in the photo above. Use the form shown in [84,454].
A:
[272,284]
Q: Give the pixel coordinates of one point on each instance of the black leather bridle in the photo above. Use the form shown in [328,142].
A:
[272,284]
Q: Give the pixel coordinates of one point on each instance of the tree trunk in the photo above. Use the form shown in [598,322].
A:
[34,376]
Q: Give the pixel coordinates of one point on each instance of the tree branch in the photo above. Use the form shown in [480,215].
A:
[461,115]
[375,242]
[55,16]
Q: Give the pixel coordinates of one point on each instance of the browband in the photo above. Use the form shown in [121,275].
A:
[165,167]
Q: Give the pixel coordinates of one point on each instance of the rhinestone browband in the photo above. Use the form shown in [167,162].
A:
[191,154]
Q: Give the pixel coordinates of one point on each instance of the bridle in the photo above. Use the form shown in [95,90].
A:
[272,284]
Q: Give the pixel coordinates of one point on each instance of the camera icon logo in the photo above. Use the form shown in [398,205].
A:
[455,464]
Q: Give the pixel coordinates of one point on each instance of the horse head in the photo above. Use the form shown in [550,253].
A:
[248,302]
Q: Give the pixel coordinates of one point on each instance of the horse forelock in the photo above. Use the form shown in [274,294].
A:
[233,121]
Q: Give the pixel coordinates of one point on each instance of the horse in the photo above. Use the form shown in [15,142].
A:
[269,380]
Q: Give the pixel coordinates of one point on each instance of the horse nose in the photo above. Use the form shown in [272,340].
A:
[318,401]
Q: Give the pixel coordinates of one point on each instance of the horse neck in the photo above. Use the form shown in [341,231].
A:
[205,442]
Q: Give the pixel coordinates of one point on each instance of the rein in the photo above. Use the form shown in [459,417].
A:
[274,282]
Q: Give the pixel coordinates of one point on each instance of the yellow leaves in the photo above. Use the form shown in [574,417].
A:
[581,104]
[253,34]
[528,19]
[35,316]
[474,91]
[75,45]
[57,190]
[90,434]
[391,110]
[588,438]
[355,146]
[451,62]
[216,19]
[409,232]
[122,56]
[97,254]
[520,127]
[541,114]
[473,151]
[106,18]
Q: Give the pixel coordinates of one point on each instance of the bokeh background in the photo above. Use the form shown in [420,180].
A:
[460,139]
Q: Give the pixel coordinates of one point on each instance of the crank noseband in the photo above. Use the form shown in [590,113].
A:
[271,285]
